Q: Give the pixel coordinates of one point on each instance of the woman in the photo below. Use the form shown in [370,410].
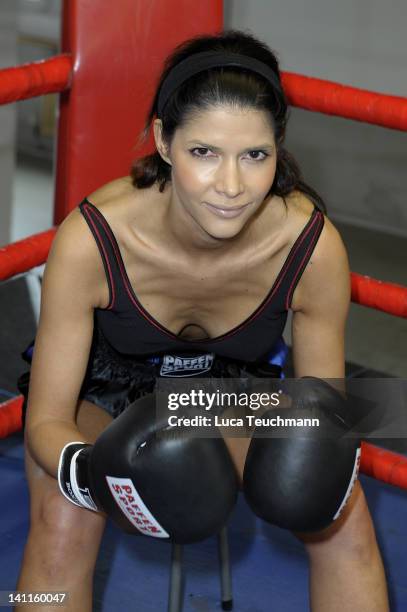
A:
[204,248]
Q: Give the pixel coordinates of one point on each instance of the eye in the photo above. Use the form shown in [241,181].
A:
[263,153]
[202,151]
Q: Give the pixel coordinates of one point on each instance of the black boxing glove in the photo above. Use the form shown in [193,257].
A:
[151,478]
[298,477]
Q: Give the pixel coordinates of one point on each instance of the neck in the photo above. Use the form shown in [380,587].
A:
[193,239]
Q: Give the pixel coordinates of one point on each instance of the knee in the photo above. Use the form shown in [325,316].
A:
[352,536]
[63,526]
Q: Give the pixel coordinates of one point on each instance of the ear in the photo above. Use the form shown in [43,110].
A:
[160,144]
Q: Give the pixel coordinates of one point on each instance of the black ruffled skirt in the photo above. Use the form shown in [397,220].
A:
[113,381]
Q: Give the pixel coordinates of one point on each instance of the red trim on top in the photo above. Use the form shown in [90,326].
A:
[306,257]
[124,275]
[129,289]
[293,253]
[275,286]
[111,285]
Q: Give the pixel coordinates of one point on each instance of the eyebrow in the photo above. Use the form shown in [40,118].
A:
[265,145]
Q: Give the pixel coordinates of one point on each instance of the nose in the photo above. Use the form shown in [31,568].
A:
[228,179]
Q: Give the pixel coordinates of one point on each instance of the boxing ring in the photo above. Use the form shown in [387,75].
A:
[94,84]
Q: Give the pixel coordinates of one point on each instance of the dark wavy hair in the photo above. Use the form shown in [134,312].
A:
[227,85]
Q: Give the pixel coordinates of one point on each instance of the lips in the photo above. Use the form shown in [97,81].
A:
[226,213]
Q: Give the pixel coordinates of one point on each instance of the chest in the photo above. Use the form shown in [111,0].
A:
[198,300]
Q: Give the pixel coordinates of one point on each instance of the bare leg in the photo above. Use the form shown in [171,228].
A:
[346,569]
[63,540]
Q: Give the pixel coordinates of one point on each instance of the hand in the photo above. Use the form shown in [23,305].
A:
[151,478]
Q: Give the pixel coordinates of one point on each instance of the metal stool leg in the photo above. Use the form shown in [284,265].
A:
[176,591]
[225,575]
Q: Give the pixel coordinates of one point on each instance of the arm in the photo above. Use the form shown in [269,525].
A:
[320,307]
[69,294]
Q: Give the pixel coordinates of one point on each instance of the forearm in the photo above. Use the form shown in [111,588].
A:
[46,440]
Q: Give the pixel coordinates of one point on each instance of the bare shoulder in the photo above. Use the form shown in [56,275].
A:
[74,254]
[112,199]
[74,229]
[328,266]
[299,209]
[124,205]
[74,249]
[114,190]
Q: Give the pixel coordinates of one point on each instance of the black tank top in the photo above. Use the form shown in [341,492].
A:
[131,330]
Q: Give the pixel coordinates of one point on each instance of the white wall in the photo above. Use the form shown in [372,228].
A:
[358,168]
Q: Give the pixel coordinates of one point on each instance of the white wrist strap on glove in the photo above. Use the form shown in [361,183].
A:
[71,482]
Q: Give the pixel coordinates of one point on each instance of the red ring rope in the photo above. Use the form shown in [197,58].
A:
[384,465]
[310,93]
[376,462]
[389,297]
[11,416]
[23,255]
[344,101]
[35,79]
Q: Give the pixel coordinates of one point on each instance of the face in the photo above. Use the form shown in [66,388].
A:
[223,165]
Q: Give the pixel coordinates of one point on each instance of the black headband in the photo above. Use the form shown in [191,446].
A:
[210,59]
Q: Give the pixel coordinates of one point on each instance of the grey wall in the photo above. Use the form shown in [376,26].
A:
[358,168]
[8,54]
